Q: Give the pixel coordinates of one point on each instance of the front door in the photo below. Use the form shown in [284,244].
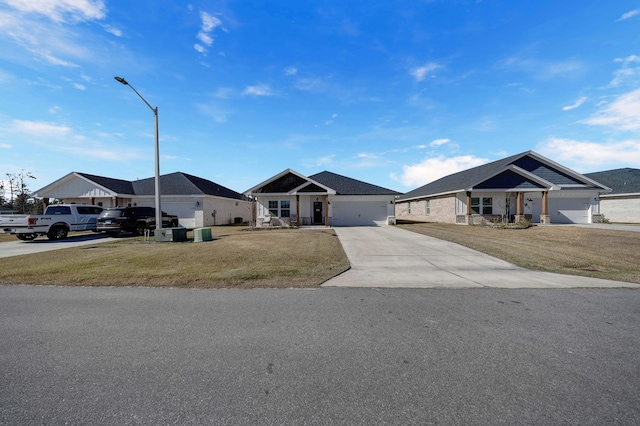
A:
[317,212]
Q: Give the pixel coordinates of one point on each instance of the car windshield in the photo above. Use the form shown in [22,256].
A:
[111,213]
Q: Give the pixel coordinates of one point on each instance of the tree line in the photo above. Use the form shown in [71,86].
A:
[16,196]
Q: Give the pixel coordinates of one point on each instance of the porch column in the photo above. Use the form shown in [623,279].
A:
[545,219]
[519,207]
[468,217]
[326,210]
[114,201]
[298,210]
[45,203]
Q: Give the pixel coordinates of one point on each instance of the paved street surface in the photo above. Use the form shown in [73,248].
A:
[388,256]
[327,356]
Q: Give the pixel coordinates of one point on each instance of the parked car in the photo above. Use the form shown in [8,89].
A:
[55,223]
[132,219]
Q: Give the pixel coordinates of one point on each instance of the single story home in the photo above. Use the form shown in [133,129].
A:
[622,204]
[197,202]
[291,199]
[523,186]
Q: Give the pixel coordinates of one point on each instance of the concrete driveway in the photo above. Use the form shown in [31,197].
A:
[42,244]
[388,256]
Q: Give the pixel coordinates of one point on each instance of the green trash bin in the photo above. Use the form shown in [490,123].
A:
[202,234]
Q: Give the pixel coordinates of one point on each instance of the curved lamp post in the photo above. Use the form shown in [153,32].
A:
[157,180]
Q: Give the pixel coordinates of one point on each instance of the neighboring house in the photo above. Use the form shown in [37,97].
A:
[290,198]
[623,203]
[197,202]
[525,185]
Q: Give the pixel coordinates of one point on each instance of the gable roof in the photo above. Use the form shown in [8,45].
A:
[291,182]
[347,186]
[180,183]
[621,181]
[525,171]
[116,185]
[177,183]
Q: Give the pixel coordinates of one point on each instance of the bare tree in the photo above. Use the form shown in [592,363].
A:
[21,200]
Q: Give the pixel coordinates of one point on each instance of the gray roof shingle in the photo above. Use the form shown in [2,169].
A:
[177,183]
[621,181]
[116,185]
[347,186]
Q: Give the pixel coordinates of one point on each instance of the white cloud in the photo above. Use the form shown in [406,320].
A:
[575,105]
[259,90]
[431,169]
[219,114]
[586,156]
[542,69]
[422,72]
[628,15]
[79,86]
[205,36]
[290,71]
[62,10]
[326,160]
[5,146]
[629,72]
[54,43]
[209,22]
[439,142]
[39,128]
[112,30]
[621,114]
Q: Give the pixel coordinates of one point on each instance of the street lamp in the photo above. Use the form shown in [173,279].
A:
[157,183]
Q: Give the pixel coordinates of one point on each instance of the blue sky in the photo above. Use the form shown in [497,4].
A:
[395,93]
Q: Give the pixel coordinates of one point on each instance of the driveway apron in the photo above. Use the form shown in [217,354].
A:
[388,256]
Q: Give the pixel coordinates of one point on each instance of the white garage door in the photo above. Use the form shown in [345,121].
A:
[569,210]
[185,212]
[359,213]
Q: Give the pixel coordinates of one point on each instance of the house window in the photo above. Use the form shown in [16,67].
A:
[486,208]
[280,208]
[273,207]
[409,207]
[475,205]
[487,205]
[285,208]
[427,207]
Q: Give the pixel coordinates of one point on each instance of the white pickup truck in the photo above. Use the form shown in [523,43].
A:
[55,223]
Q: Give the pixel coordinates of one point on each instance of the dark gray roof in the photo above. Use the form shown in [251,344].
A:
[116,185]
[177,183]
[479,176]
[347,186]
[622,181]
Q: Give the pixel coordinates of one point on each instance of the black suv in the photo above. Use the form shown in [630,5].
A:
[132,219]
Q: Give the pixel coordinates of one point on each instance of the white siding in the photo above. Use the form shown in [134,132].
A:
[623,209]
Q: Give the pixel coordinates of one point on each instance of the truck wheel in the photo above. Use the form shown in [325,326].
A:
[26,237]
[140,227]
[57,233]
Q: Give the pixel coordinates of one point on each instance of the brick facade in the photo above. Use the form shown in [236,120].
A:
[442,209]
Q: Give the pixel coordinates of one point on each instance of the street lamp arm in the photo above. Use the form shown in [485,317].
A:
[126,83]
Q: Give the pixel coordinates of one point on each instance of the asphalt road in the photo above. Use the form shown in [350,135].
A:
[327,356]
